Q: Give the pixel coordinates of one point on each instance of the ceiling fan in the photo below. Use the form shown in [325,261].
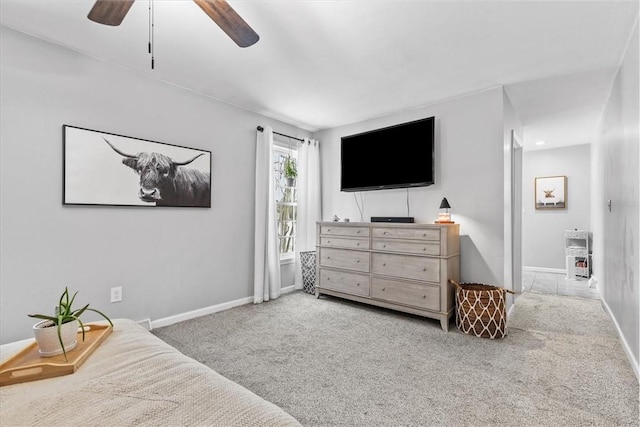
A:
[112,12]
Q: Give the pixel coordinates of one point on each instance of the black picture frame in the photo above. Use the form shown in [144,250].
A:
[107,169]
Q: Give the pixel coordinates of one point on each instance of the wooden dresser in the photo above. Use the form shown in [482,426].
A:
[404,267]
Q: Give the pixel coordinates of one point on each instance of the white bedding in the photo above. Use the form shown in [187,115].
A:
[136,379]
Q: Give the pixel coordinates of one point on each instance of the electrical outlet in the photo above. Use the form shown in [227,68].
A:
[116,294]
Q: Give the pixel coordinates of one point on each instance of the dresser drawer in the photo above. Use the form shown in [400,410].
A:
[338,230]
[342,281]
[407,233]
[347,259]
[422,248]
[422,296]
[406,266]
[344,242]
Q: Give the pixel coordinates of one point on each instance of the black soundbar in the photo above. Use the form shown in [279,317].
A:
[404,219]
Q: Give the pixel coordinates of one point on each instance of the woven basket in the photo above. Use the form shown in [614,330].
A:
[308,261]
[480,309]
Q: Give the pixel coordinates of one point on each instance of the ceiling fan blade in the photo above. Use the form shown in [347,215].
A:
[229,21]
[110,12]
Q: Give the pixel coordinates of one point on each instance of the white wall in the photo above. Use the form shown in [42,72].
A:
[469,172]
[168,260]
[615,164]
[543,229]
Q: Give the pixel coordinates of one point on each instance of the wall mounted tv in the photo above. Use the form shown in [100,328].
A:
[398,156]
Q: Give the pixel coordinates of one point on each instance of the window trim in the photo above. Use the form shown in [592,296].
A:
[287,259]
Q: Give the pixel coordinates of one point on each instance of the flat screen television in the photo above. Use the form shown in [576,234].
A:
[398,156]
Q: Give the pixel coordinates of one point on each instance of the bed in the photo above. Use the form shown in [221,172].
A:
[136,379]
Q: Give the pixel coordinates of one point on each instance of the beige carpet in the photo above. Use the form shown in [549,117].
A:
[330,362]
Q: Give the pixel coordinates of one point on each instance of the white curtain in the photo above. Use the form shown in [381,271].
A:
[309,208]
[266,276]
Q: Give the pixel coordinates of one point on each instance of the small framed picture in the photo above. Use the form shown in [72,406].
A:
[551,192]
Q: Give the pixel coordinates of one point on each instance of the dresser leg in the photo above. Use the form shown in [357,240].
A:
[317,294]
[444,322]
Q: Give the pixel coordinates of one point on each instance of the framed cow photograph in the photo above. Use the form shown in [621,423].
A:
[102,168]
[551,192]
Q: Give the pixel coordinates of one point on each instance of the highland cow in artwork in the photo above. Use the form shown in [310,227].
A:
[168,175]
[166,181]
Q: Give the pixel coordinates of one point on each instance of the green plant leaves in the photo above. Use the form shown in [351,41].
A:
[290,167]
[64,313]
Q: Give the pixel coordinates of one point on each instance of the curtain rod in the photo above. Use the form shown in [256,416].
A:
[260,129]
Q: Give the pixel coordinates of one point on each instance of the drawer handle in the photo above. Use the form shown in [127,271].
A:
[358,231]
[424,249]
[383,289]
[328,241]
[384,246]
[357,284]
[384,264]
[384,232]
[357,261]
[424,269]
[328,257]
[424,296]
[357,244]
[328,229]
[328,278]
[424,235]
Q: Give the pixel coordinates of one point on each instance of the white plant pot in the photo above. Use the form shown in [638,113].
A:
[46,334]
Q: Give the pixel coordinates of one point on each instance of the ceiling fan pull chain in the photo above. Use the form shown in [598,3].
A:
[149,27]
[153,34]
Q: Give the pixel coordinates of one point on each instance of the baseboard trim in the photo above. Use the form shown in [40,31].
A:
[288,289]
[546,270]
[166,321]
[510,311]
[625,344]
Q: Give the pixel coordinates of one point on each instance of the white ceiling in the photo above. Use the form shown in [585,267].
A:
[324,63]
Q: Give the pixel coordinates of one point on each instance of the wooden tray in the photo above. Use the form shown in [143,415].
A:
[27,365]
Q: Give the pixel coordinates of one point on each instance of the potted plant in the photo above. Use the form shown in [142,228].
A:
[290,171]
[57,334]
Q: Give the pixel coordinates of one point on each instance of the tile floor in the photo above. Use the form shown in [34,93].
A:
[556,284]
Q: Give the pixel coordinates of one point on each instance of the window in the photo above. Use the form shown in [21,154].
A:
[286,199]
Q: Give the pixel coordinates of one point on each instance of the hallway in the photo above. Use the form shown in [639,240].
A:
[556,284]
